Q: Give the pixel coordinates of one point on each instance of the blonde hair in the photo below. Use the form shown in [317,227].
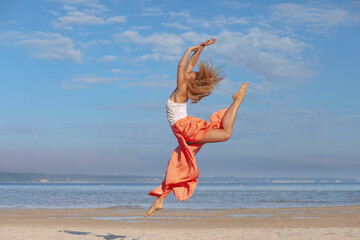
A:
[206,79]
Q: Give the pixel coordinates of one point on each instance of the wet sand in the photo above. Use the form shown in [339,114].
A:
[342,222]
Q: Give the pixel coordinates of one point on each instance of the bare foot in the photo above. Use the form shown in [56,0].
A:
[156,206]
[239,96]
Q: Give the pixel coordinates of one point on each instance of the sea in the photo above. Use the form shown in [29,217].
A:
[206,196]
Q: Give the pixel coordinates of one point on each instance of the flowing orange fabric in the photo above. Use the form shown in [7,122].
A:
[182,171]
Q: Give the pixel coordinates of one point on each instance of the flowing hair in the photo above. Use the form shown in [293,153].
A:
[206,79]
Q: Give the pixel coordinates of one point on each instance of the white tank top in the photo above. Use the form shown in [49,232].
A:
[175,111]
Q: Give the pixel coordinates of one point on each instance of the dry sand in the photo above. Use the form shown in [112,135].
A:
[118,223]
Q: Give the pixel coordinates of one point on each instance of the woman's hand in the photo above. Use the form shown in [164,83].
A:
[209,42]
[193,49]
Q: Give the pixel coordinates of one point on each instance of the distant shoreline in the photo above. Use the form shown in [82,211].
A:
[10,177]
[200,182]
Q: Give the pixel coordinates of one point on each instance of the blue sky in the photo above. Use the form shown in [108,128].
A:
[84,84]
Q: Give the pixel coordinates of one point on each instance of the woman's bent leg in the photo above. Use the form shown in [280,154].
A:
[224,133]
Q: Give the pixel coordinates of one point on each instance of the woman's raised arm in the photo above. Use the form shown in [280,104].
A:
[181,90]
[181,83]
[194,58]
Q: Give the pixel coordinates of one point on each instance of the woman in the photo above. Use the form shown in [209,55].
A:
[192,133]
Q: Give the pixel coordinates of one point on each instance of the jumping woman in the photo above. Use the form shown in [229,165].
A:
[192,133]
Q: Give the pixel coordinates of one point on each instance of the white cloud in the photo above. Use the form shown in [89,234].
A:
[236,4]
[69,8]
[54,13]
[195,37]
[135,107]
[314,18]
[108,59]
[265,54]
[176,25]
[221,21]
[140,27]
[171,58]
[351,120]
[155,56]
[263,88]
[11,36]
[152,11]
[45,45]
[260,39]
[217,21]
[86,45]
[143,71]
[117,71]
[226,87]
[91,79]
[184,14]
[75,17]
[117,19]
[159,76]
[154,84]
[157,81]
[166,43]
[85,81]
[255,90]
[284,123]
[170,46]
[8,22]
[276,68]
[92,4]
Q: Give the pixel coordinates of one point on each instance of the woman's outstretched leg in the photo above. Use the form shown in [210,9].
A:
[224,133]
[156,206]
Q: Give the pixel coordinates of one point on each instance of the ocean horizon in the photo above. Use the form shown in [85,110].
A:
[206,196]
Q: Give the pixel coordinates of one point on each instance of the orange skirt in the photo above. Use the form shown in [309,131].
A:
[182,171]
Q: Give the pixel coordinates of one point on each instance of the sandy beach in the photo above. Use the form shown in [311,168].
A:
[124,223]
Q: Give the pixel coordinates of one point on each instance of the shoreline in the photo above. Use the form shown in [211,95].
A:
[336,222]
[173,209]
